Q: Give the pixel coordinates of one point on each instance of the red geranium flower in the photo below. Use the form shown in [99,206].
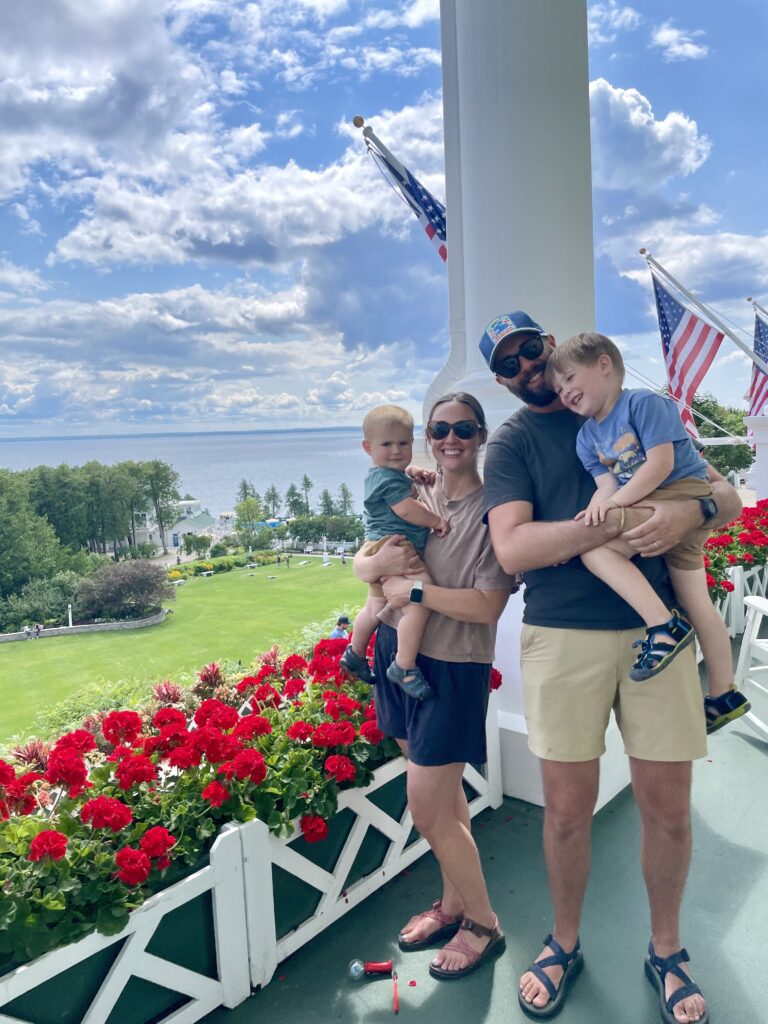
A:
[371,732]
[252,725]
[314,828]
[106,812]
[81,741]
[216,745]
[185,756]
[265,696]
[245,683]
[215,794]
[248,764]
[133,769]
[294,687]
[299,731]
[215,712]
[48,843]
[121,727]
[334,734]
[339,767]
[293,665]
[157,841]
[135,866]
[7,774]
[495,679]
[169,716]
[67,768]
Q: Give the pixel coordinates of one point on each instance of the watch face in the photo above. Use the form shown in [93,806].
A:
[708,508]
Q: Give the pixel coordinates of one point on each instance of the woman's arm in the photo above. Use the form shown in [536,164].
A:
[463,604]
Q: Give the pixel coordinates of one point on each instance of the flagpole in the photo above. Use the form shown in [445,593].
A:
[705,311]
[370,137]
[758,308]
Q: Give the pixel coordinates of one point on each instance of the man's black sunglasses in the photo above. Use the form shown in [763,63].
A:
[465,430]
[509,366]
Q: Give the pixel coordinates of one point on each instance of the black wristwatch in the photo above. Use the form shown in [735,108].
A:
[417,592]
[708,508]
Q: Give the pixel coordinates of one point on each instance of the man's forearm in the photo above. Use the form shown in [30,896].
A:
[537,545]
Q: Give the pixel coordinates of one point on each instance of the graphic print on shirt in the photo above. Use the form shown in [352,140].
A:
[622,456]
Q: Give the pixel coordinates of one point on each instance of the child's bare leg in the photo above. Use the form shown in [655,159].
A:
[410,630]
[691,587]
[366,621]
[613,567]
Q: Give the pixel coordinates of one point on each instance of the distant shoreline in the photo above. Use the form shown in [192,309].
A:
[174,433]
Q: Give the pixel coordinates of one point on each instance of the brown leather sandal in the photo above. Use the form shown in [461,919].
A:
[448,928]
[496,946]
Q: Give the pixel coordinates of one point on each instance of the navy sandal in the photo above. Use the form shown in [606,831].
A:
[656,654]
[726,708]
[571,963]
[410,680]
[656,970]
[357,666]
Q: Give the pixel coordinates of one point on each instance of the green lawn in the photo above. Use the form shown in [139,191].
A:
[235,615]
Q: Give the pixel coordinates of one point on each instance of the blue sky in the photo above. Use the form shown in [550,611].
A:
[192,237]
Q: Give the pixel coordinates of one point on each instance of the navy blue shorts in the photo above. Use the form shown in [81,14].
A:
[447,729]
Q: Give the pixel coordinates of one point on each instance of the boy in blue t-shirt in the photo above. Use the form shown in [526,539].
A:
[636,447]
[392,508]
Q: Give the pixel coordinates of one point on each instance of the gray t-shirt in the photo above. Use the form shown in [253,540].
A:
[463,559]
[532,457]
[385,487]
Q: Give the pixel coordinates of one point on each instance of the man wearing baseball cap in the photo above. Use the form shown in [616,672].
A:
[576,653]
[341,629]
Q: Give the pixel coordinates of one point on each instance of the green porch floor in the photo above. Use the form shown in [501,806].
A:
[725,918]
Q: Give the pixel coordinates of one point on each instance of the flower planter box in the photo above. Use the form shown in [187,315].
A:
[183,953]
[294,889]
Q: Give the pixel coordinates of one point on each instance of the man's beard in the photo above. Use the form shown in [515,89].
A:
[540,398]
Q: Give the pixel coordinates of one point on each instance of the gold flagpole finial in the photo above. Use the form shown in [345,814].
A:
[358,121]
[749,298]
[643,251]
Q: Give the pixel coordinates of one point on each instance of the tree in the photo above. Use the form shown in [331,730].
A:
[29,547]
[306,486]
[327,505]
[163,492]
[43,601]
[346,504]
[272,501]
[245,489]
[295,504]
[723,457]
[123,590]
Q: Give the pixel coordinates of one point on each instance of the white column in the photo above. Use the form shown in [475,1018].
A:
[519,214]
[758,474]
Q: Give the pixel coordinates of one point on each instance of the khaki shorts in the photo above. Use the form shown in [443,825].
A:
[688,553]
[573,677]
[370,547]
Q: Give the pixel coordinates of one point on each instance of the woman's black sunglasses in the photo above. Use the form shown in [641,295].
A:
[509,366]
[465,430]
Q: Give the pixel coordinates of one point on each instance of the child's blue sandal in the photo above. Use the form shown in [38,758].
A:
[656,970]
[657,653]
[571,963]
[357,666]
[411,680]
[719,711]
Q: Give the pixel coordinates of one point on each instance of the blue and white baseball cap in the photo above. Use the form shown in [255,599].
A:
[503,327]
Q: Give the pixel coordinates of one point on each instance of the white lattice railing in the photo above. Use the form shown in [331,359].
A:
[262,850]
[223,877]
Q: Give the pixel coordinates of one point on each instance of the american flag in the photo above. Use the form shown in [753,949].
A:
[689,345]
[758,389]
[429,210]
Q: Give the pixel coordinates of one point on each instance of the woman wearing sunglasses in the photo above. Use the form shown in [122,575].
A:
[466,598]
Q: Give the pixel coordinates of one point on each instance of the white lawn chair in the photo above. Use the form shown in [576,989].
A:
[751,677]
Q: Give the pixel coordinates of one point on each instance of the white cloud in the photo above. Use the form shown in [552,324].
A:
[606,20]
[631,148]
[20,279]
[678,43]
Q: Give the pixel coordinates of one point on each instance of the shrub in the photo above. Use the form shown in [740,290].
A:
[125,590]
